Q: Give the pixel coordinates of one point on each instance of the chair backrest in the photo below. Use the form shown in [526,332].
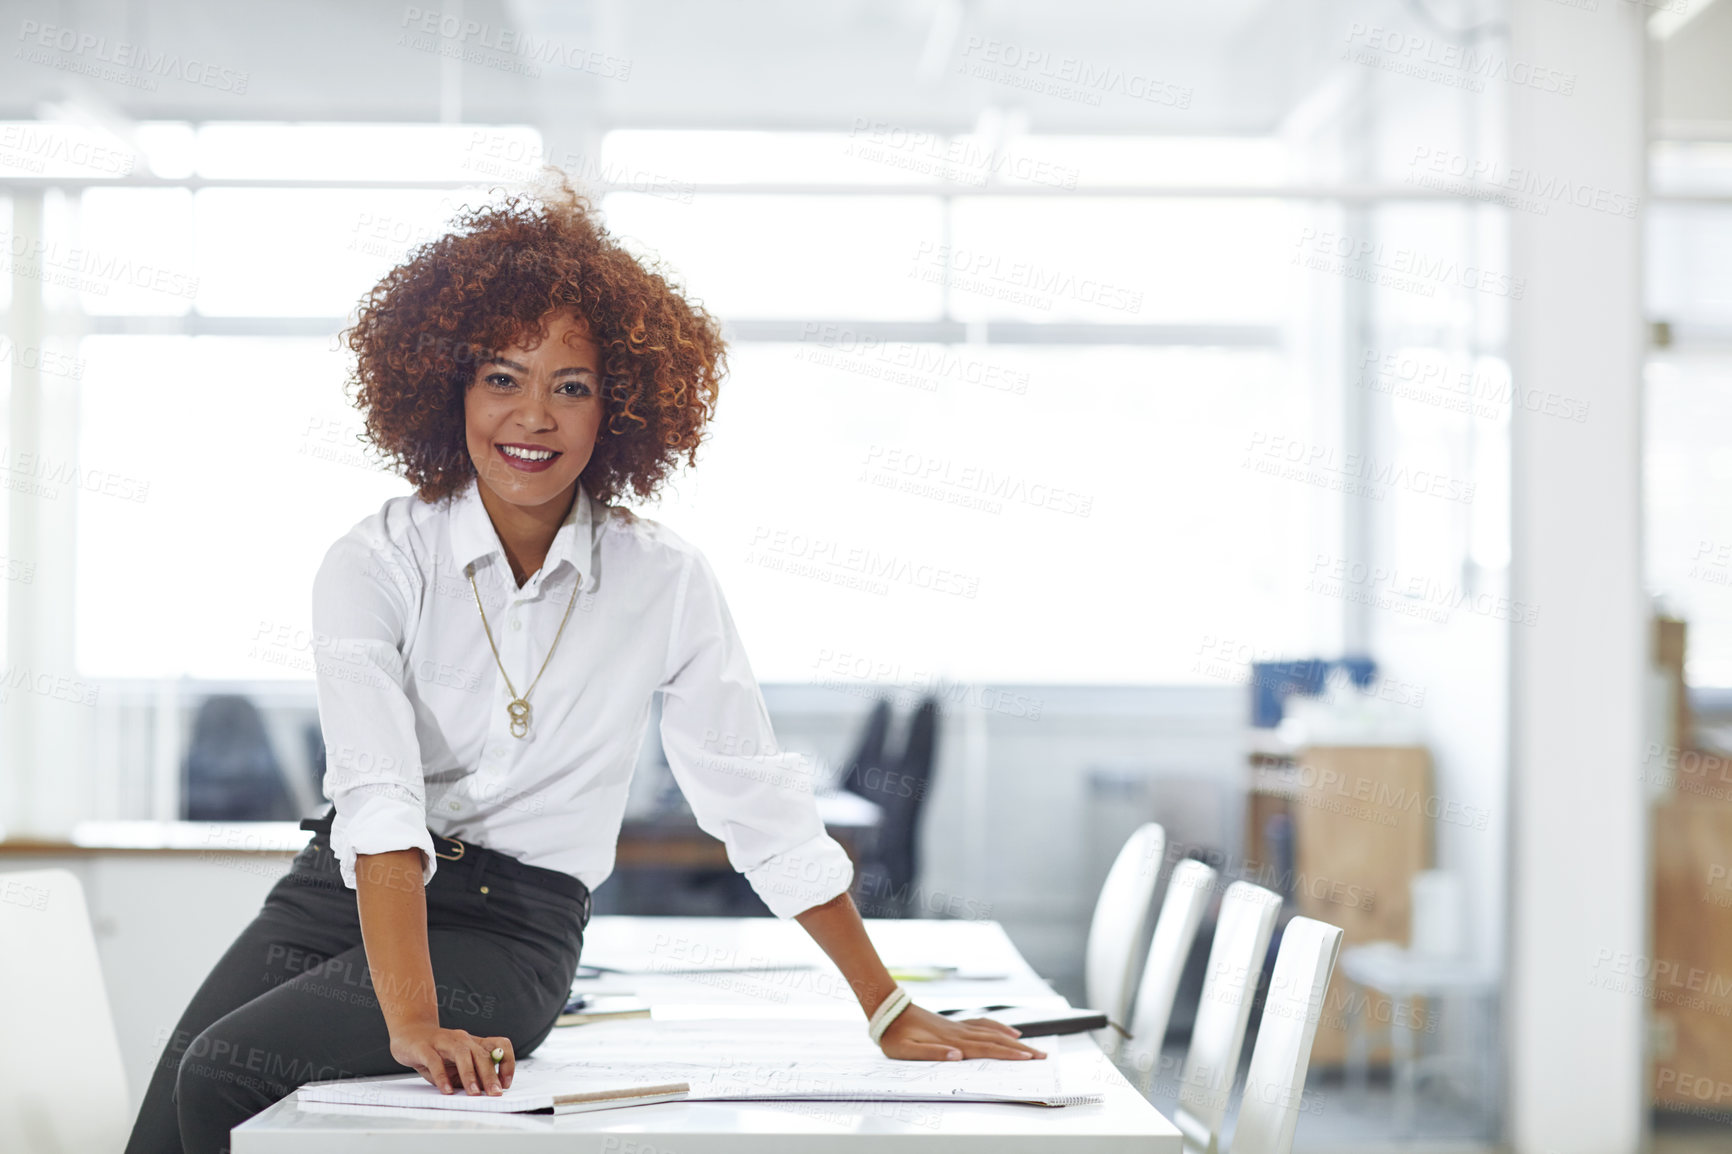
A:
[868,754]
[62,1086]
[231,772]
[1235,963]
[1438,917]
[899,786]
[908,792]
[1275,1084]
[1121,919]
[1188,894]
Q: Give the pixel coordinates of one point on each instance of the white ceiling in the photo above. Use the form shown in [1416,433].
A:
[792,63]
[1241,65]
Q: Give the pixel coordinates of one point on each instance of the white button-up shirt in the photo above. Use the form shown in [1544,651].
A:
[413,706]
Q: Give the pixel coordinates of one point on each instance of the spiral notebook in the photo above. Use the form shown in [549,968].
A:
[550,1091]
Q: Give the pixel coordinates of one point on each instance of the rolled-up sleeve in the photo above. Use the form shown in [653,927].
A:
[361,600]
[758,801]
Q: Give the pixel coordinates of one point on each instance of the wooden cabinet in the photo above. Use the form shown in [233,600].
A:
[1690,975]
[1361,828]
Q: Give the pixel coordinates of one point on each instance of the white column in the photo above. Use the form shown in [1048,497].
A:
[1578,852]
[26,647]
[47,711]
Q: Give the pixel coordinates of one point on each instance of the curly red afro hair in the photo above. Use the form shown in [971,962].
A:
[494,281]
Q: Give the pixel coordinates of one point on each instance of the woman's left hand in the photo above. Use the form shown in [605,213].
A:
[923,1036]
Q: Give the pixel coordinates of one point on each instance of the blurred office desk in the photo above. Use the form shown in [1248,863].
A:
[672,837]
[691,967]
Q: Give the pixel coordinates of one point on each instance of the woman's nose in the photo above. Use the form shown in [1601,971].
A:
[534,410]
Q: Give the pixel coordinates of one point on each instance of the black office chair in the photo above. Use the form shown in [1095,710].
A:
[867,760]
[231,773]
[884,883]
[313,738]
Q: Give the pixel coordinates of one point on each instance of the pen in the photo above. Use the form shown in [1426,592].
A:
[940,974]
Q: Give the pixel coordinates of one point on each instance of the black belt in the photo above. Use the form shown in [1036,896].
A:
[488,860]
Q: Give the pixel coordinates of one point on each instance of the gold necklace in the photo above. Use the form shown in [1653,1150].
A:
[518,710]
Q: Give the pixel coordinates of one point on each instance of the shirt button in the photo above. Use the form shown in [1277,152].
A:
[456,805]
[516,624]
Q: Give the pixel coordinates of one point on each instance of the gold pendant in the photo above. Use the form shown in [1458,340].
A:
[519,711]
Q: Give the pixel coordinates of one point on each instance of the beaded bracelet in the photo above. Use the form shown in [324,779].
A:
[887,1012]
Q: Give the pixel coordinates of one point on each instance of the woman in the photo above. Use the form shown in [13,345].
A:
[487,652]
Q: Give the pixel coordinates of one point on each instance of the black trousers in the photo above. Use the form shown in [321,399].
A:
[292,1000]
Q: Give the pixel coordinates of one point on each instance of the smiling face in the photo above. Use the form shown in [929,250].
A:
[531,416]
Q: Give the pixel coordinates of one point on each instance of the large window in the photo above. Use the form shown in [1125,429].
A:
[948,409]
[1689,400]
[1000,409]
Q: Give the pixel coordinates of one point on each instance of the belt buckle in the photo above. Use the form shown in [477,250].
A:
[449,857]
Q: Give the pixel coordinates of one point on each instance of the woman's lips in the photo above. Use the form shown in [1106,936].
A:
[522,465]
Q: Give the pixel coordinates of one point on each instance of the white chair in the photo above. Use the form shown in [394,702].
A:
[62,1086]
[1275,1084]
[1436,967]
[1188,894]
[1235,963]
[1121,919]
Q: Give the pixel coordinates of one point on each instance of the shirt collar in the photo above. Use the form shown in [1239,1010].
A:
[473,537]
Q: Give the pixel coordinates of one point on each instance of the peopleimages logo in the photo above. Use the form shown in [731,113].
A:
[1414,594]
[88,52]
[907,363]
[1385,800]
[873,678]
[1016,281]
[966,483]
[1294,459]
[26,147]
[957,159]
[56,687]
[1426,57]
[42,475]
[523,48]
[1516,186]
[1483,391]
[1409,269]
[1065,77]
[827,558]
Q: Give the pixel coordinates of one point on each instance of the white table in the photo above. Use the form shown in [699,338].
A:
[1122,1122]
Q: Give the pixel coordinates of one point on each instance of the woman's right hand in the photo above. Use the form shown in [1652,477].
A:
[393,910]
[453,1058]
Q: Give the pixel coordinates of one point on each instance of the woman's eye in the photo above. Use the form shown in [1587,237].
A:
[499,380]
[579,389]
